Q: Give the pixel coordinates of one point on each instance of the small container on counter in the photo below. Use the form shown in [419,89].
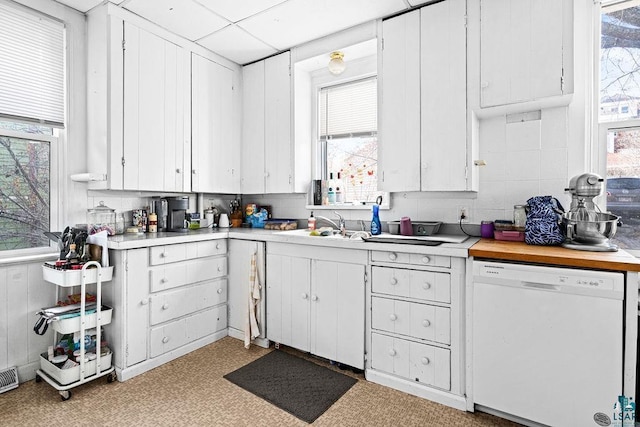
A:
[406,228]
[519,217]
[486,229]
[153,223]
[101,218]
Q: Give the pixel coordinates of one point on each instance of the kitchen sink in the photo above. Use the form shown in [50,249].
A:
[335,234]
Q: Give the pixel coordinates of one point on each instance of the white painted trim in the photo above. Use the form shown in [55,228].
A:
[260,342]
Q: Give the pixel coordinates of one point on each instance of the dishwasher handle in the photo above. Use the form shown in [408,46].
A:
[545,286]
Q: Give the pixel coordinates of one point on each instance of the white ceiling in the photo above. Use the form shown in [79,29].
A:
[247,30]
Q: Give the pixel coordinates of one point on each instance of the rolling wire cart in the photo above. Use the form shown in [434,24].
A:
[64,380]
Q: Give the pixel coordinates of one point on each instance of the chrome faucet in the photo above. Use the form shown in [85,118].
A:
[341,225]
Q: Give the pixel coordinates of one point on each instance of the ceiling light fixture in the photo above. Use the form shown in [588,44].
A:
[336,65]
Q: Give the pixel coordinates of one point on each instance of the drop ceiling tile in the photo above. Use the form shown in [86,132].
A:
[236,45]
[298,21]
[81,5]
[186,18]
[235,10]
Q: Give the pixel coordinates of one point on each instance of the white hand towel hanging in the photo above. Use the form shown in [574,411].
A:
[251,328]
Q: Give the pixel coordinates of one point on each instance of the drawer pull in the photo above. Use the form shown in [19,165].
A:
[219,290]
[164,280]
[394,281]
[392,352]
[219,268]
[217,245]
[165,306]
[426,260]
[393,256]
[144,301]
[426,286]
[426,323]
[314,298]
[164,254]
[393,317]
[304,296]
[165,340]
[425,361]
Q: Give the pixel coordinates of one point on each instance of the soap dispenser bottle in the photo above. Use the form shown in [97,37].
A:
[311,222]
[375,222]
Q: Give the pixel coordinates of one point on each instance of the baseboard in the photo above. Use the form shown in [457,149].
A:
[139,368]
[420,390]
[260,342]
[28,372]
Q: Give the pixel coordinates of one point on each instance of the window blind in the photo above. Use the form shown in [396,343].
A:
[31,67]
[349,109]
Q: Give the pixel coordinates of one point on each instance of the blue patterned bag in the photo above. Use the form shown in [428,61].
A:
[543,221]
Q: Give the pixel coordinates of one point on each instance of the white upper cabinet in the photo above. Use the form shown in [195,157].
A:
[267,150]
[525,50]
[425,142]
[443,97]
[215,144]
[399,104]
[157,103]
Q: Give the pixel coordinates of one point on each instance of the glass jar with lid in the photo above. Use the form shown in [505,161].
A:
[101,218]
[519,217]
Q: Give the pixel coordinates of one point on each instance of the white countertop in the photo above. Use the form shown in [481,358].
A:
[133,241]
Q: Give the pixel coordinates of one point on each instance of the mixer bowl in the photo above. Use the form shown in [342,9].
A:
[590,232]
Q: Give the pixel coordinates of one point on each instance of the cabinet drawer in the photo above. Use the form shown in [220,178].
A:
[426,285]
[422,321]
[159,255]
[173,304]
[413,259]
[176,334]
[178,274]
[416,362]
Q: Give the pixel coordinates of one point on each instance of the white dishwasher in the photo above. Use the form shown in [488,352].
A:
[547,342]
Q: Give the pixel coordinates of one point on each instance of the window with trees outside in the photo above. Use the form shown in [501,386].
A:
[31,120]
[619,114]
[348,130]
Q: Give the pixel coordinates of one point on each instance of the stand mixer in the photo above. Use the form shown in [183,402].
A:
[586,227]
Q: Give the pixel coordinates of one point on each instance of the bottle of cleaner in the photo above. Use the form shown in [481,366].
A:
[311,222]
[375,222]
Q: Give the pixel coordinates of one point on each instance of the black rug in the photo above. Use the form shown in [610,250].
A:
[302,388]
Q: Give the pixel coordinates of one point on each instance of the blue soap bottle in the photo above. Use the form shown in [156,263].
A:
[375,222]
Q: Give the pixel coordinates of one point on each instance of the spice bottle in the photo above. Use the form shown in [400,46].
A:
[153,223]
[311,222]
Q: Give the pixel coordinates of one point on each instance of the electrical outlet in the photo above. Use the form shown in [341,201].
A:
[463,214]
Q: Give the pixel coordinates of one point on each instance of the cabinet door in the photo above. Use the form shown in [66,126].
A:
[521,54]
[156,112]
[337,312]
[278,155]
[216,156]
[443,89]
[288,286]
[137,306]
[399,104]
[253,138]
[240,252]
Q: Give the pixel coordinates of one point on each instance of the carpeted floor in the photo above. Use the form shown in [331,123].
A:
[191,391]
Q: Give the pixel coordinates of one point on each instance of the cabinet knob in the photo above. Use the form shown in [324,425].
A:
[219,290]
[392,352]
[144,301]
[304,296]
[178,170]
[165,306]
[425,360]
[394,281]
[165,340]
[163,254]
[314,298]
[164,280]
[426,259]
[426,323]
[266,174]
[217,245]
[393,317]
[426,286]
[393,256]
[219,268]
[193,171]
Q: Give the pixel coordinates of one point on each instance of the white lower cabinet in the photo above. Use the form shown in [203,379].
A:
[415,325]
[316,300]
[172,300]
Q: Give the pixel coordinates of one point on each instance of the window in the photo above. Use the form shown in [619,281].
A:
[619,125]
[348,141]
[31,118]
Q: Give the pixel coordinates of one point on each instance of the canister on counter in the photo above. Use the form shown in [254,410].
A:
[153,223]
[486,229]
[519,217]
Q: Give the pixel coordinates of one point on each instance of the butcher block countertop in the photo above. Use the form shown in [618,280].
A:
[554,255]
